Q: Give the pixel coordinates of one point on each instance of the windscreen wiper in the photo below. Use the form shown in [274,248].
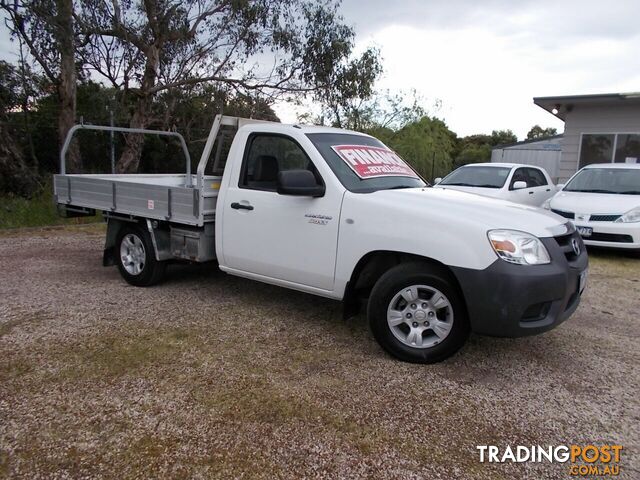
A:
[592,190]
[630,192]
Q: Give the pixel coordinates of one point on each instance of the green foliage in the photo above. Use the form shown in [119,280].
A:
[477,148]
[502,137]
[188,112]
[37,211]
[538,132]
[473,154]
[9,87]
[427,144]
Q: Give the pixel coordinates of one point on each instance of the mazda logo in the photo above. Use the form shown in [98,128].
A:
[575,245]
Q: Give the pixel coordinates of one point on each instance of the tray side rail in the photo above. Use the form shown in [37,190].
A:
[104,128]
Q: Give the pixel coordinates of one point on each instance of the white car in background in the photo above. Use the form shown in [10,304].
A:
[603,200]
[515,182]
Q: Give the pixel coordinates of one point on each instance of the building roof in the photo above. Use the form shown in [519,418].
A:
[560,106]
[526,142]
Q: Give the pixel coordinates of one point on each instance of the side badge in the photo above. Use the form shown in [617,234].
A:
[318,219]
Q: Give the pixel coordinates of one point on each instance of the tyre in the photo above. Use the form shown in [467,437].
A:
[417,314]
[136,259]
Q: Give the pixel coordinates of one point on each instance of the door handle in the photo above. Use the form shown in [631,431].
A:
[531,192]
[548,189]
[241,206]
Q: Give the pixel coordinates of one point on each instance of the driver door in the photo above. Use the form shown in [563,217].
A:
[283,237]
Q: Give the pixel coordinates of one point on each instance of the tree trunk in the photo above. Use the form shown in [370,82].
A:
[67,82]
[129,160]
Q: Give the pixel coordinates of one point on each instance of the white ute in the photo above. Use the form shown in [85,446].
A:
[336,213]
[515,182]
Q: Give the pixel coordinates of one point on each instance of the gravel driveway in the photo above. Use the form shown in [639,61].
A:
[208,375]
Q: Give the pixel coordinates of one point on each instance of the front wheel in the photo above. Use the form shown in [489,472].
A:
[417,315]
[136,260]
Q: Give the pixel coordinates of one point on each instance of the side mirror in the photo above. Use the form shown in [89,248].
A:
[519,185]
[559,186]
[437,180]
[302,183]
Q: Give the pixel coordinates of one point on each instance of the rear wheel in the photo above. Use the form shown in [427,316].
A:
[416,313]
[136,260]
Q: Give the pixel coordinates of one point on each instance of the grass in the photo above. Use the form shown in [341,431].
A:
[112,356]
[37,211]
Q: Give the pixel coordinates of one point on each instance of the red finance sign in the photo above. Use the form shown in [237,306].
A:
[371,162]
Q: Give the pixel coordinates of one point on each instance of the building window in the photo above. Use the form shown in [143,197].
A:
[596,148]
[609,147]
[627,148]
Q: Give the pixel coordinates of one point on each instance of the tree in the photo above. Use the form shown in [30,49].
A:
[16,175]
[538,132]
[502,137]
[47,29]
[477,148]
[152,46]
[473,154]
[427,144]
[347,89]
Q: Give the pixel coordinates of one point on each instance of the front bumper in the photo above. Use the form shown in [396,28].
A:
[612,234]
[507,300]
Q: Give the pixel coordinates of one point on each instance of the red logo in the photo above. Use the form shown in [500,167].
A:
[371,162]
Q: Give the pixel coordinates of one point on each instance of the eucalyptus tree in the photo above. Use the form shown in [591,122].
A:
[268,49]
[47,29]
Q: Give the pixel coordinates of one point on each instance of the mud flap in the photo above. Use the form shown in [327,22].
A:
[109,254]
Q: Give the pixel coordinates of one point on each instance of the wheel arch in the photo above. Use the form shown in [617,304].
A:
[158,231]
[114,225]
[374,264]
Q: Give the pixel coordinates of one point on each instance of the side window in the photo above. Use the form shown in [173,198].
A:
[266,155]
[537,177]
[520,175]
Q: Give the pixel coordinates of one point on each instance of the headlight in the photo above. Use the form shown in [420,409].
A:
[547,204]
[518,247]
[631,216]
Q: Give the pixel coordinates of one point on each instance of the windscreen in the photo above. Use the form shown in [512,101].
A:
[606,180]
[364,164]
[478,176]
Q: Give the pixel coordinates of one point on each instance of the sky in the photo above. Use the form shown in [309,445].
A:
[485,60]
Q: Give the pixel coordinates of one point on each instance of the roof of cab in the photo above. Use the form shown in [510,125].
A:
[298,127]
[323,129]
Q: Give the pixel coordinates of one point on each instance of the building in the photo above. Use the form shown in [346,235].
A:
[597,129]
[542,152]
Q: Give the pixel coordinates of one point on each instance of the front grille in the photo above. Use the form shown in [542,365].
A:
[610,237]
[564,242]
[569,215]
[604,218]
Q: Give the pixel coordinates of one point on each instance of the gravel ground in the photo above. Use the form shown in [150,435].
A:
[209,375]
